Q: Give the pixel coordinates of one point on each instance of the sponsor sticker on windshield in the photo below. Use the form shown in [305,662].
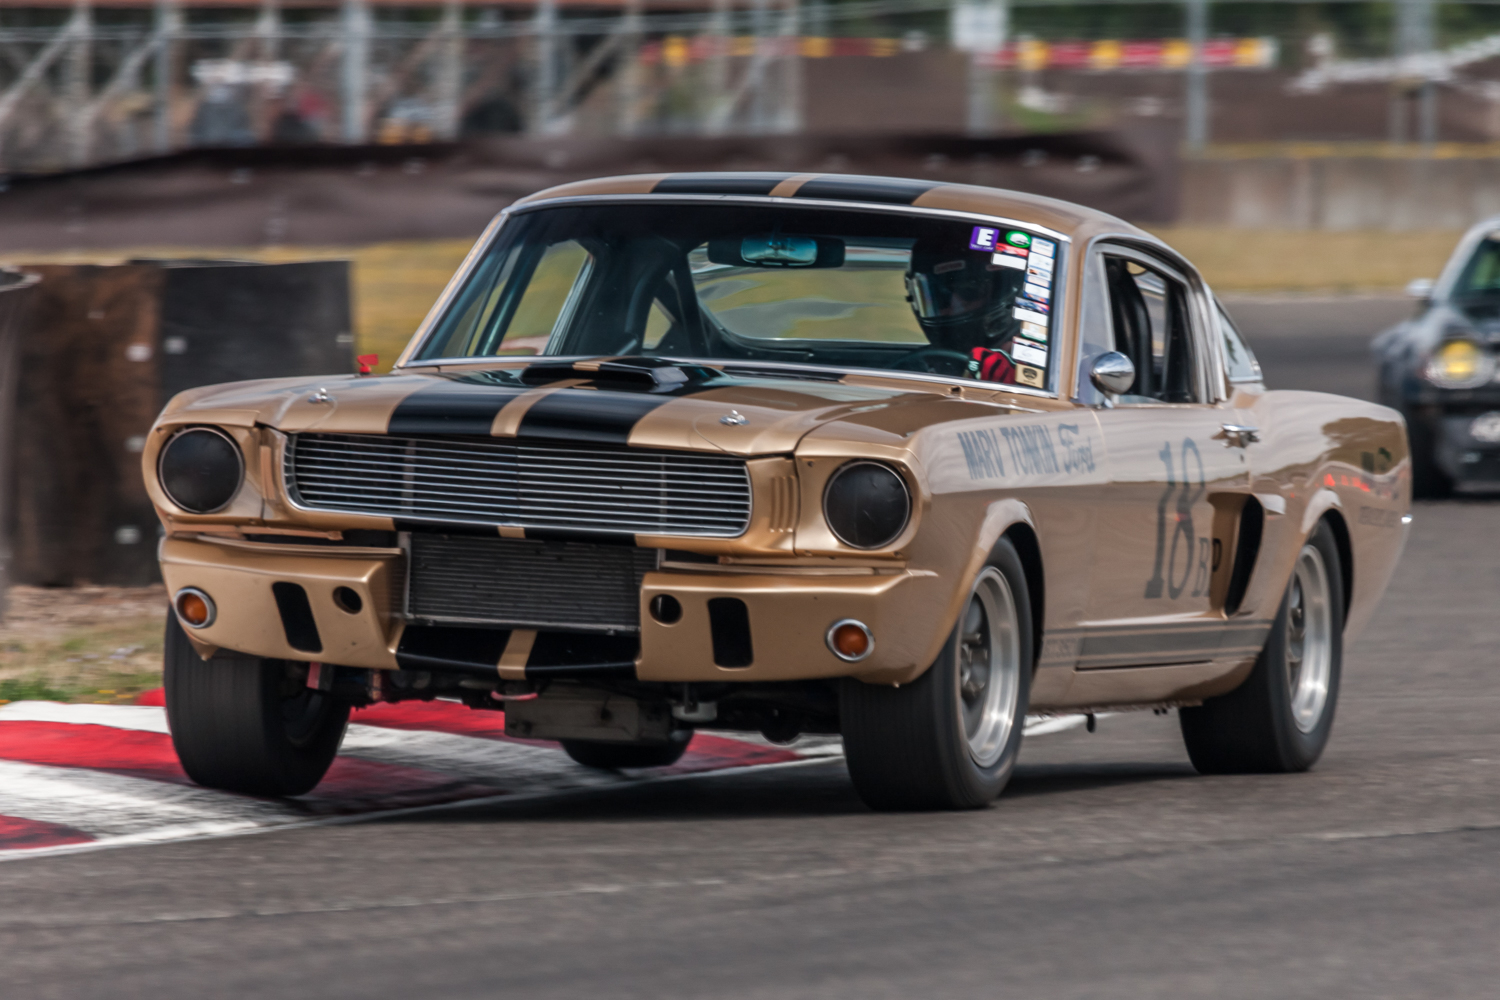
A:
[1027,375]
[1012,251]
[1028,354]
[1030,316]
[1006,260]
[1043,248]
[983,238]
[1018,239]
[1034,331]
[1038,292]
[1040,265]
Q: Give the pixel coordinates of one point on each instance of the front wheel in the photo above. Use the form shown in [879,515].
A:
[1280,719]
[247,724]
[949,740]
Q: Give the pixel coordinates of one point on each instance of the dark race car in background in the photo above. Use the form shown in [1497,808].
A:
[1439,369]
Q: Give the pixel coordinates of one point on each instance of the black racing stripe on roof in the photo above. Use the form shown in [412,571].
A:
[888,190]
[452,407]
[743,183]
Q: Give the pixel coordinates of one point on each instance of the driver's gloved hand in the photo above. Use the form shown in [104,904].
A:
[991,366]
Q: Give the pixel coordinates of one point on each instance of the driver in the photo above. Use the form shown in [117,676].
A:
[963,303]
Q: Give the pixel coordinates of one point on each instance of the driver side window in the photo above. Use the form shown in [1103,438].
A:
[1149,314]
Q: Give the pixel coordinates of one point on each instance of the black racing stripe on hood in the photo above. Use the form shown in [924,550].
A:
[744,183]
[451,407]
[592,415]
[887,190]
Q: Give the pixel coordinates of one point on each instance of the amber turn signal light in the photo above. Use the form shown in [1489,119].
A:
[850,640]
[195,608]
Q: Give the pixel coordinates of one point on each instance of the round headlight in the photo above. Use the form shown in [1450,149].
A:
[866,505]
[201,469]
[1460,364]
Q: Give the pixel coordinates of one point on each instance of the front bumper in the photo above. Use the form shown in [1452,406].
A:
[1457,451]
[788,613]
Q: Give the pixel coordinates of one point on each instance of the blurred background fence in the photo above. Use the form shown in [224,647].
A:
[85,82]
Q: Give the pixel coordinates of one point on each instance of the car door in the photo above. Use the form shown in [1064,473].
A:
[1178,472]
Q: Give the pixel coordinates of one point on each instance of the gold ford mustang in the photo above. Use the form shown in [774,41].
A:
[788,454]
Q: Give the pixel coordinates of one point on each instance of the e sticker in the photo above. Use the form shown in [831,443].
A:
[983,238]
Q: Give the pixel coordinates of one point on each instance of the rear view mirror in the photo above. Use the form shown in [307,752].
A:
[777,250]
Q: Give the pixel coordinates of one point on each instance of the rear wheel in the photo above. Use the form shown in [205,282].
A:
[613,756]
[1279,720]
[949,740]
[247,724]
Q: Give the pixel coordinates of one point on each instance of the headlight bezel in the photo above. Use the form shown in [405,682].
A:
[848,537]
[235,450]
[1483,364]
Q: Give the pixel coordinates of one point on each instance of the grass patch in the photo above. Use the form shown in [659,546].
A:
[110,663]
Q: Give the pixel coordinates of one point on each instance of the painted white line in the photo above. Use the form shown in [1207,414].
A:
[116,805]
[305,823]
[141,718]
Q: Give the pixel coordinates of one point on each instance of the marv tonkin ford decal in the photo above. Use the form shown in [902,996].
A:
[1030,449]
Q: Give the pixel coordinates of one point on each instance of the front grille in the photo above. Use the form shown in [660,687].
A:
[503,581]
[465,481]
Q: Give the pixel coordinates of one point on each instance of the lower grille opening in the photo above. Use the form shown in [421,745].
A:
[729,624]
[516,583]
[297,617]
[476,650]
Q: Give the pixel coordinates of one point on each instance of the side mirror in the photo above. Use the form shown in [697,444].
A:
[1420,289]
[1112,373]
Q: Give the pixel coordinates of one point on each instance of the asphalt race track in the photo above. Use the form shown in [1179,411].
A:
[1109,869]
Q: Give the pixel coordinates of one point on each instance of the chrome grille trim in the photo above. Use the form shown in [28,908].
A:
[472,481]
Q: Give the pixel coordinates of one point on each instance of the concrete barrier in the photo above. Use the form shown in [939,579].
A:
[1397,192]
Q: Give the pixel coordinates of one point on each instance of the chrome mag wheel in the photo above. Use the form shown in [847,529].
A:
[1309,639]
[989,666]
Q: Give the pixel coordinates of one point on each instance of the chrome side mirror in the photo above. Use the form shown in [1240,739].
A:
[1420,289]
[1112,373]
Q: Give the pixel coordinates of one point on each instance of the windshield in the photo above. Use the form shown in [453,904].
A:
[753,283]
[1481,275]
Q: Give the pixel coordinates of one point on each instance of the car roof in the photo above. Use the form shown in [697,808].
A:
[1063,217]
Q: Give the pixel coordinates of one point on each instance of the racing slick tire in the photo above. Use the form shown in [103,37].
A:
[1280,718]
[949,739]
[613,756]
[246,724]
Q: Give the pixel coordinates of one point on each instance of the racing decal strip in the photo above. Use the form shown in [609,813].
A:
[449,407]
[507,422]
[1152,645]
[593,416]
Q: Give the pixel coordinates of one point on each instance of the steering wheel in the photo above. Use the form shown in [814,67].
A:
[934,360]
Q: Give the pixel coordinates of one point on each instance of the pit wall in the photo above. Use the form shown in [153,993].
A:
[1341,189]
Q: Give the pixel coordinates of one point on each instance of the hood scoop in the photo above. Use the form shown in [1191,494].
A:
[637,373]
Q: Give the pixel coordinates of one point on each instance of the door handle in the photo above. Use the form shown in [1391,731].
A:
[1238,435]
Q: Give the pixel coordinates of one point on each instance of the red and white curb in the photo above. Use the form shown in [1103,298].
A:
[82,777]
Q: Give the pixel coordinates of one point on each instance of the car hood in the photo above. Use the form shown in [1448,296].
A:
[707,411]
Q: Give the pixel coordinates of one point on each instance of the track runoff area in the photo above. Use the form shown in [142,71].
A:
[85,777]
